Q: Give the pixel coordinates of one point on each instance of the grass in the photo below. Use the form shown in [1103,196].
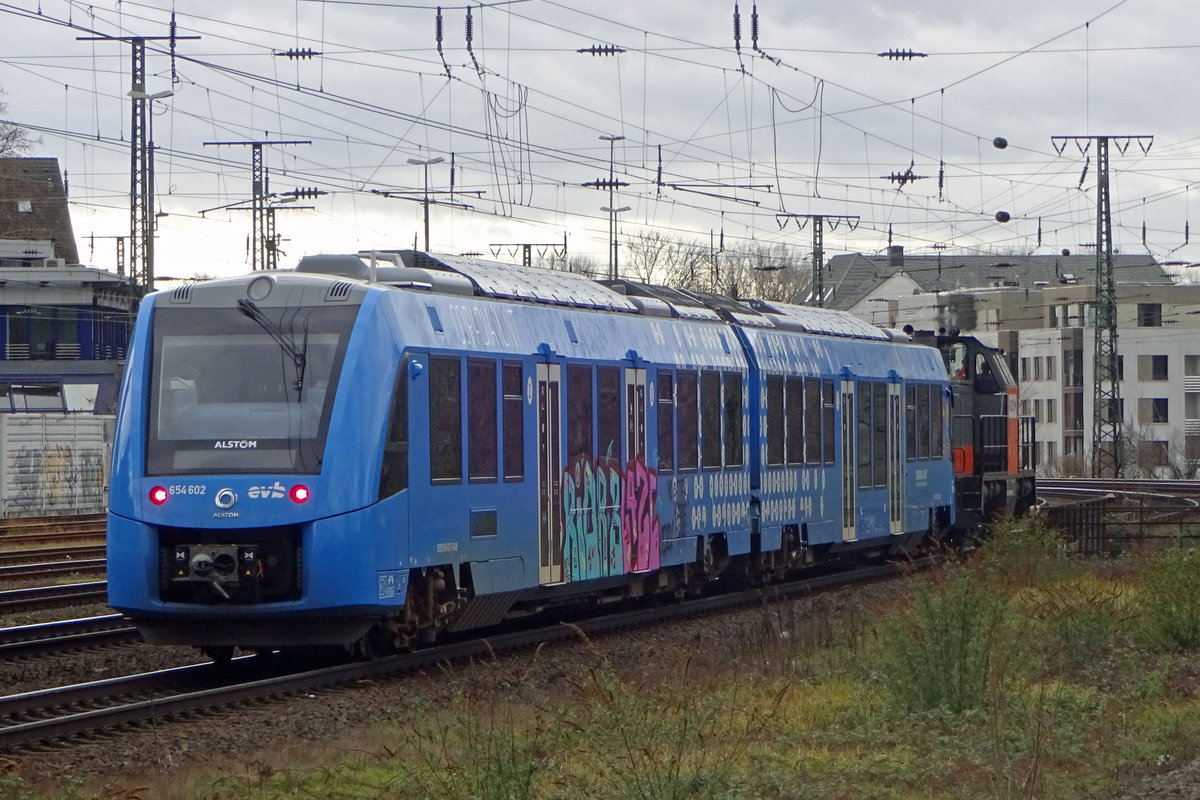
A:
[1020,673]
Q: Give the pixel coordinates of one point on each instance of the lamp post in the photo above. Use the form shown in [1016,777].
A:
[425,202]
[611,208]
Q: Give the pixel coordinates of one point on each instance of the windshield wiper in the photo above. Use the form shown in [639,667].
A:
[299,355]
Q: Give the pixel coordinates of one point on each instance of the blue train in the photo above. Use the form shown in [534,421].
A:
[367,451]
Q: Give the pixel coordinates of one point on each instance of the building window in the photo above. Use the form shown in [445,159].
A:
[1152,454]
[1050,409]
[1149,315]
[1073,368]
[1037,411]
[1037,368]
[1050,373]
[1024,369]
[1191,366]
[1152,368]
[1152,410]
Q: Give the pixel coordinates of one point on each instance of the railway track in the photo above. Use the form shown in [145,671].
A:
[53,596]
[51,554]
[25,531]
[87,566]
[52,715]
[47,638]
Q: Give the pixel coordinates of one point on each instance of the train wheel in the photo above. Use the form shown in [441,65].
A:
[373,644]
[220,655]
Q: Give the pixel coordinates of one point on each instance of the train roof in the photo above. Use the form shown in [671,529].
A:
[443,273]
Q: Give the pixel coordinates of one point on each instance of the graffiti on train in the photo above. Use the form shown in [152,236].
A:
[610,517]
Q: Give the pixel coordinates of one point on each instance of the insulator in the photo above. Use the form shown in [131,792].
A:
[470,26]
[174,74]
[737,27]
[754,26]
[437,27]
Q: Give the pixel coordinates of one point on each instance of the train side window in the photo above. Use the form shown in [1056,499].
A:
[910,422]
[795,420]
[879,431]
[939,422]
[666,422]
[579,412]
[732,407]
[828,421]
[776,433]
[393,474]
[608,412]
[923,426]
[812,420]
[710,419]
[511,381]
[689,421]
[482,433]
[863,434]
[445,420]
[985,379]
[958,361]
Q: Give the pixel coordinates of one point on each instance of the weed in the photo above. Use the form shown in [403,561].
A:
[943,646]
[1170,597]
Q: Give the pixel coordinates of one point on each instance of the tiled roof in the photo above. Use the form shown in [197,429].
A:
[33,205]
[855,277]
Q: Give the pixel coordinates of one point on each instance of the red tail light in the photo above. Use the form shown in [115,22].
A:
[299,493]
[158,495]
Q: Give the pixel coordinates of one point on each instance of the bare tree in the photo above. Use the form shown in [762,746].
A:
[579,264]
[14,140]
[653,256]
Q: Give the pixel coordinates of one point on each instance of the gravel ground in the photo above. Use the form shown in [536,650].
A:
[153,761]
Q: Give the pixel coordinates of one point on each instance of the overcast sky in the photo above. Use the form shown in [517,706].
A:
[811,121]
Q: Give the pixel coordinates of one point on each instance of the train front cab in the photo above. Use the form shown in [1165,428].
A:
[993,446]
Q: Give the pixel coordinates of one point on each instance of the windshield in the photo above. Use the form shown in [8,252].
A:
[233,392]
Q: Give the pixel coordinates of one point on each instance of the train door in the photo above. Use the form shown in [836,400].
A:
[849,462]
[639,530]
[895,458]
[635,414]
[549,444]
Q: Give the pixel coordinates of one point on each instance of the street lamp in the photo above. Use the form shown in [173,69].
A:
[425,202]
[611,209]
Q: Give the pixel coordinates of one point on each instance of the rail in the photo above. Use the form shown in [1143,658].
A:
[1115,515]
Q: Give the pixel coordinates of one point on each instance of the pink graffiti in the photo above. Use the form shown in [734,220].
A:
[639,515]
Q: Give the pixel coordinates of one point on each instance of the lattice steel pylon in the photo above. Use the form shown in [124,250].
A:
[141,224]
[818,244]
[141,159]
[1108,457]
[263,245]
